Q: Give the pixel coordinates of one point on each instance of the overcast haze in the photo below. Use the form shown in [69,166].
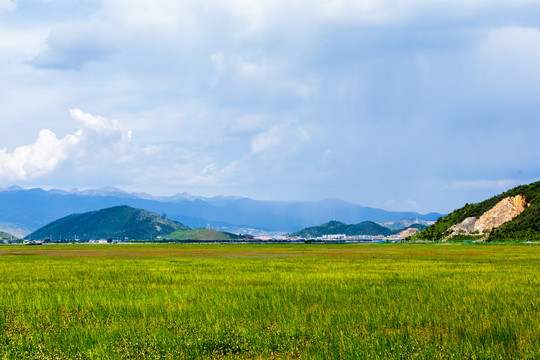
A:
[403,105]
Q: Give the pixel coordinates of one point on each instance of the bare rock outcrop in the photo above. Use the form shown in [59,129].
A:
[505,210]
[407,232]
[466,225]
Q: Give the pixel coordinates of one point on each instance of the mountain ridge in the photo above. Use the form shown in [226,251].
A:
[366,228]
[33,208]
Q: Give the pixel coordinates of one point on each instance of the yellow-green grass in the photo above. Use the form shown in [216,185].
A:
[401,301]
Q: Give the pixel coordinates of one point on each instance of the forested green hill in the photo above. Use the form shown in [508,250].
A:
[118,222]
[368,228]
[6,236]
[525,226]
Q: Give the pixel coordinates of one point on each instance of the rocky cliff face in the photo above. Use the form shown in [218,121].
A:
[504,211]
[466,226]
[407,232]
[507,209]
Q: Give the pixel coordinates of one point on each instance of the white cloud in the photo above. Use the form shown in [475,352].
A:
[266,140]
[48,152]
[218,59]
[7,5]
[287,135]
[20,43]
[250,70]
[157,14]
[101,125]
[238,65]
[180,167]
[304,88]
[39,158]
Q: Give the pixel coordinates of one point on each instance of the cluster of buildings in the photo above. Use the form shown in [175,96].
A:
[333,237]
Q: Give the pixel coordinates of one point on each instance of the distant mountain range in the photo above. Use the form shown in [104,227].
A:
[25,210]
[406,223]
[365,228]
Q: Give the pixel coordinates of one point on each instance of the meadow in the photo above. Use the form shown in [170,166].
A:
[300,301]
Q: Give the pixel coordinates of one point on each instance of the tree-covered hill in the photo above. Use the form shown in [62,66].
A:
[6,236]
[525,226]
[117,222]
[368,228]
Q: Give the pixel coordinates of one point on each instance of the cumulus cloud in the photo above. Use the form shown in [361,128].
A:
[48,151]
[101,125]
[39,158]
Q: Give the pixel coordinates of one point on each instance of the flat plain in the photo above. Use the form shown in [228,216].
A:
[385,301]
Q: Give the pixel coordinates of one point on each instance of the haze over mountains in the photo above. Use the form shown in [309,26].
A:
[26,210]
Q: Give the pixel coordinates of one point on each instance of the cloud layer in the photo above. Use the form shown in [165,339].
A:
[384,103]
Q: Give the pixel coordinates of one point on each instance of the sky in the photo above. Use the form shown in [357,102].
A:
[414,105]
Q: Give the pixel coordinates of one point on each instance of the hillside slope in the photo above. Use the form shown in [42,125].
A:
[368,228]
[116,222]
[525,226]
[407,223]
[6,236]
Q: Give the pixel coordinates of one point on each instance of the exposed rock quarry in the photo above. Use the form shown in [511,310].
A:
[466,225]
[505,210]
[407,232]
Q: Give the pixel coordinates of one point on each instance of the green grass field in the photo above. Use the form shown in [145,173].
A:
[386,301]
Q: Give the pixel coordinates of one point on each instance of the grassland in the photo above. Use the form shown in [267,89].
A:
[385,301]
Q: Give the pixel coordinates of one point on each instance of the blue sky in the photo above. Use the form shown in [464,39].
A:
[404,105]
